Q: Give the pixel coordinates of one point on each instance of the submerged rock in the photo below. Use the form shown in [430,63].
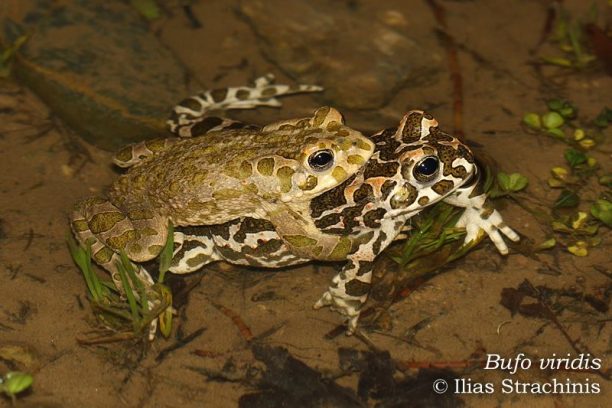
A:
[362,60]
[99,68]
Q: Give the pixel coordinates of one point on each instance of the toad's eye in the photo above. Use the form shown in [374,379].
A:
[427,169]
[321,160]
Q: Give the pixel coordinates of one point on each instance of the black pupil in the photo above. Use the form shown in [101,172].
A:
[428,166]
[321,159]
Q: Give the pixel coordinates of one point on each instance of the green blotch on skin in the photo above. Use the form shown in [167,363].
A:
[243,94]
[155,145]
[265,167]
[355,159]
[226,193]
[200,177]
[341,250]
[339,173]
[105,221]
[333,125]
[124,155]
[134,249]
[342,132]
[80,225]
[103,256]
[155,249]
[319,116]
[209,206]
[284,176]
[310,183]
[148,231]
[245,170]
[300,241]
[140,214]
[268,92]
[197,260]
[363,145]
[120,242]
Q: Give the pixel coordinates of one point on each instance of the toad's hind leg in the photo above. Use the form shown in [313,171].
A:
[192,252]
[135,153]
[190,114]
[139,233]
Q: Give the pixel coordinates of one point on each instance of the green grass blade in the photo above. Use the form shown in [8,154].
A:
[127,288]
[165,257]
[135,283]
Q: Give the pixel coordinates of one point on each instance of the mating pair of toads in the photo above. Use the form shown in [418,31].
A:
[284,194]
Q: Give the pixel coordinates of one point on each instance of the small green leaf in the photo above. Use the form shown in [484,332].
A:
[564,108]
[574,157]
[7,54]
[554,104]
[513,182]
[532,120]
[560,61]
[579,248]
[549,243]
[559,226]
[552,120]
[590,229]
[602,210]
[579,219]
[567,199]
[606,180]
[148,8]
[557,133]
[604,118]
[579,134]
[16,382]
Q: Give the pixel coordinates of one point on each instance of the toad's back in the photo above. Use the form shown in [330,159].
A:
[213,178]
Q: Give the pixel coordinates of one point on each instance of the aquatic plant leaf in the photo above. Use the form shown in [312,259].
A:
[579,249]
[548,244]
[16,382]
[574,157]
[512,182]
[148,8]
[552,120]
[532,120]
[556,132]
[602,210]
[604,118]
[567,199]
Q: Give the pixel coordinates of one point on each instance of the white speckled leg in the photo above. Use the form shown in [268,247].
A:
[348,292]
[192,253]
[191,111]
[477,217]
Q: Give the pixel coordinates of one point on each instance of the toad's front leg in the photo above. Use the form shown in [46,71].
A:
[480,216]
[349,291]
